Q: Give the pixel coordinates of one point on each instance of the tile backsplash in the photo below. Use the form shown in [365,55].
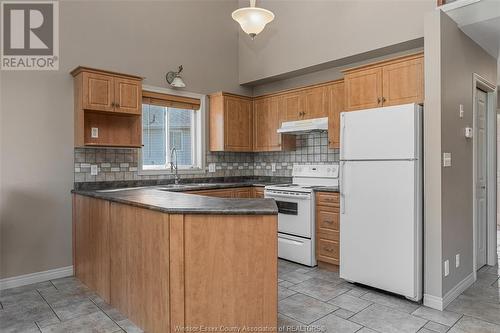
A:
[116,164]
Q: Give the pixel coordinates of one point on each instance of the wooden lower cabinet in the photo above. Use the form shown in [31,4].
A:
[166,272]
[91,243]
[258,192]
[327,228]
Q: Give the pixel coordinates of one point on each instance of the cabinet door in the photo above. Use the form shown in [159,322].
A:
[98,92]
[292,105]
[403,82]
[315,103]
[242,193]
[336,106]
[266,124]
[127,96]
[363,89]
[238,124]
[261,114]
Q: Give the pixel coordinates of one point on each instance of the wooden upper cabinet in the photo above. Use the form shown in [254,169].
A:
[108,91]
[231,123]
[268,116]
[127,96]
[363,89]
[108,108]
[391,82]
[336,97]
[315,102]
[403,82]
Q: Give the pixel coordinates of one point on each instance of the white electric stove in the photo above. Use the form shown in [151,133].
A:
[296,210]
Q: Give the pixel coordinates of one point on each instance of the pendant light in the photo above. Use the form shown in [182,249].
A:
[252,19]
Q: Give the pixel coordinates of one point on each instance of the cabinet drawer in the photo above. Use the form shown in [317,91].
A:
[328,199]
[328,250]
[327,219]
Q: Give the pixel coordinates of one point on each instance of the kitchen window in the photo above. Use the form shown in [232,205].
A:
[171,121]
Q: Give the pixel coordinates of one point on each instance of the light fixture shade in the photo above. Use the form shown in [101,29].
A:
[178,82]
[252,19]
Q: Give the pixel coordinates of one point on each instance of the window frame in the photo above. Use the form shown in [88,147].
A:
[199,137]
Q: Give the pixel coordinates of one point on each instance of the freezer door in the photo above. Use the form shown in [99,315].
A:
[381,133]
[380,226]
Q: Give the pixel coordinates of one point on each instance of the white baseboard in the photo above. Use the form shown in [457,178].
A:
[433,302]
[439,303]
[22,280]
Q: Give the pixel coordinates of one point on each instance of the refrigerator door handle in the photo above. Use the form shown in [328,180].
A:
[342,131]
[342,188]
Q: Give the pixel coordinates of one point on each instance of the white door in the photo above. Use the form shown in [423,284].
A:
[380,133]
[481,179]
[380,225]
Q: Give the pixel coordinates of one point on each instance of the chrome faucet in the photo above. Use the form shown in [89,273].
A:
[173,152]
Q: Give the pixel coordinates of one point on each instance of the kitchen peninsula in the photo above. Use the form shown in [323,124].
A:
[174,261]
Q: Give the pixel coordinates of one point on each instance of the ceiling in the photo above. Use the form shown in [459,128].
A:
[480,20]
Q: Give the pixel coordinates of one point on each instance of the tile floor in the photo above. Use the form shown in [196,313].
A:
[310,299]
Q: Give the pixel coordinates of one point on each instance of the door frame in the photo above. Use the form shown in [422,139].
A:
[491,173]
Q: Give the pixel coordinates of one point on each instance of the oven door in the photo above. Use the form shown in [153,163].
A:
[294,212]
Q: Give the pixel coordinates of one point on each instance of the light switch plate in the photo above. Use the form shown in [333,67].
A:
[93,170]
[273,167]
[446,160]
[461,112]
[211,167]
[94,133]
[457,260]
[446,268]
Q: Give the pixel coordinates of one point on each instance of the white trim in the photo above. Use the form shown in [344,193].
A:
[433,302]
[439,303]
[23,280]
[480,82]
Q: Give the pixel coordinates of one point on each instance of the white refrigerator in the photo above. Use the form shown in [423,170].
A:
[381,199]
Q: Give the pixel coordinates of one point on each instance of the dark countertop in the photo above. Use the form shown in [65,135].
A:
[167,199]
[327,189]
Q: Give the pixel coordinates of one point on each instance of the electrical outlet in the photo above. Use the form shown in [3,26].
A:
[273,167]
[446,268]
[211,167]
[94,133]
[93,170]
[457,260]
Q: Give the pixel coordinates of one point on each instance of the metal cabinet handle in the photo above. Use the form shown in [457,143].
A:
[112,104]
[383,100]
[379,100]
[327,249]
[328,221]
[117,105]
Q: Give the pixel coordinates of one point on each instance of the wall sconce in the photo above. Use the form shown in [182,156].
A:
[174,78]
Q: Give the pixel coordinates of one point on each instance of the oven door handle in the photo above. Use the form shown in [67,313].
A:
[299,196]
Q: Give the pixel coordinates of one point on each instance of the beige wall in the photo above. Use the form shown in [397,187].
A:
[309,33]
[452,58]
[328,74]
[36,121]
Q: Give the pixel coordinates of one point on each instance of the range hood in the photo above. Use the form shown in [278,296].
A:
[304,126]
